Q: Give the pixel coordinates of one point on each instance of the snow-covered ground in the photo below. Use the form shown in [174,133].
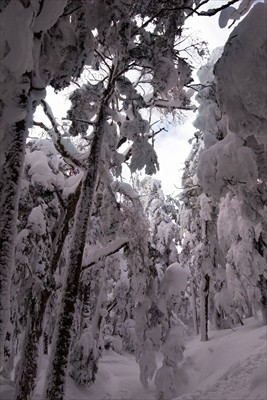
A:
[230,366]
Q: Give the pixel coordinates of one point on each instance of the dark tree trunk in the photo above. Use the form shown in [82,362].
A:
[204,308]
[26,376]
[45,344]
[12,141]
[263,289]
[194,308]
[27,368]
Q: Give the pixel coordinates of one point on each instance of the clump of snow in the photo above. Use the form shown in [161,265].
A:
[41,173]
[50,13]
[144,155]
[71,184]
[227,162]
[175,279]
[16,21]
[37,220]
[241,76]
[125,189]
[205,207]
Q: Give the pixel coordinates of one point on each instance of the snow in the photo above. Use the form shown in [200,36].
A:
[242,87]
[20,40]
[37,221]
[95,253]
[40,171]
[175,279]
[205,207]
[230,366]
[71,184]
[227,366]
[50,13]
[125,189]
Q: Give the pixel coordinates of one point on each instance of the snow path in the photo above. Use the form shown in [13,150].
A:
[117,379]
[230,366]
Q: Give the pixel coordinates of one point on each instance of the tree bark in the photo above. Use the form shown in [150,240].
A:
[26,376]
[26,371]
[57,371]
[13,140]
[263,289]
[204,308]
[194,309]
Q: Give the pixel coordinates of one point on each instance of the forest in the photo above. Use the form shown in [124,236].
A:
[95,259]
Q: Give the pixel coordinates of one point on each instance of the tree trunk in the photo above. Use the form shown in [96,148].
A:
[263,289]
[12,141]
[26,370]
[204,308]
[26,376]
[194,308]
[57,371]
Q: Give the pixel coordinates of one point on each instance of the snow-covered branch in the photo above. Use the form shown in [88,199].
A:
[98,254]
[56,136]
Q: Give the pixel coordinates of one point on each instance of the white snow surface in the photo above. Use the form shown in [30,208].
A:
[230,366]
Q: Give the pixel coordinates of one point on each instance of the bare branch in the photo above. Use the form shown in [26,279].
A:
[211,11]
[85,121]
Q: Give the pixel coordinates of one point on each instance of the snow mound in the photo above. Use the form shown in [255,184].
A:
[230,366]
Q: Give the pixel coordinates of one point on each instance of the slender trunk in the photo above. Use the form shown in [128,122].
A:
[204,308]
[9,354]
[26,376]
[45,343]
[55,381]
[263,289]
[26,371]
[194,308]
[97,318]
[12,140]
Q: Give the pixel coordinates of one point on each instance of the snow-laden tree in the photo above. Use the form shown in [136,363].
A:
[162,216]
[233,170]
[196,254]
[41,213]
